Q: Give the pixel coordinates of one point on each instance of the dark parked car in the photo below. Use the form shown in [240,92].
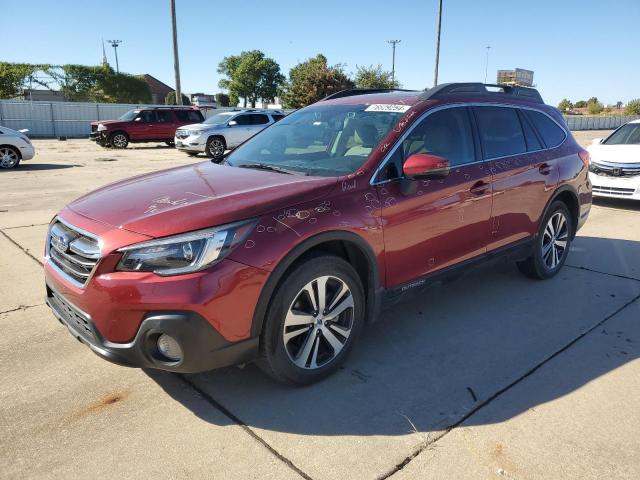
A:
[286,251]
[153,124]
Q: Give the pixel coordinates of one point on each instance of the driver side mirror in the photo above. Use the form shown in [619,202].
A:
[137,119]
[596,141]
[232,123]
[425,166]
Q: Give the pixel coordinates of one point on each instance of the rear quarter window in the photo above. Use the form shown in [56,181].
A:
[552,135]
[191,116]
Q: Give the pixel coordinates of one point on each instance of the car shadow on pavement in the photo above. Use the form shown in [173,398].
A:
[429,362]
[620,203]
[34,167]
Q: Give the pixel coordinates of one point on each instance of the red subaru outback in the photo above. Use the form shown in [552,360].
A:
[289,249]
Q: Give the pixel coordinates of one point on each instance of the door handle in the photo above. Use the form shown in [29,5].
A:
[544,169]
[479,187]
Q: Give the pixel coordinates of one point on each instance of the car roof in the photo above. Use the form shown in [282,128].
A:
[405,97]
[635,121]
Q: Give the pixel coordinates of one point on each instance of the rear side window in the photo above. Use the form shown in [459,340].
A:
[500,131]
[552,135]
[259,119]
[192,116]
[243,120]
[164,116]
[533,143]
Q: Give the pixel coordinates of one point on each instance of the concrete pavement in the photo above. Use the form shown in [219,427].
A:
[491,376]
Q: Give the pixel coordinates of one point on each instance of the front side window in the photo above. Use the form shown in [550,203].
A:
[323,140]
[130,115]
[219,118]
[147,116]
[628,134]
[500,131]
[446,133]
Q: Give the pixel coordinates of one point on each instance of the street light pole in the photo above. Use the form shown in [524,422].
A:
[435,76]
[115,44]
[393,59]
[486,65]
[176,63]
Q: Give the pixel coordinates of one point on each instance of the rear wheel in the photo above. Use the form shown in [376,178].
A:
[170,143]
[552,244]
[119,140]
[9,157]
[312,323]
[215,148]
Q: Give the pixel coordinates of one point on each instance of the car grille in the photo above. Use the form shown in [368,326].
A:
[182,134]
[610,169]
[77,320]
[624,192]
[74,252]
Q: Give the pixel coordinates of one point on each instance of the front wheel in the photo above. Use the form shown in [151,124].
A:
[9,157]
[552,244]
[312,323]
[215,148]
[119,140]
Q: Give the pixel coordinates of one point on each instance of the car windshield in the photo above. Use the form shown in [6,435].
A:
[219,118]
[323,140]
[629,134]
[130,115]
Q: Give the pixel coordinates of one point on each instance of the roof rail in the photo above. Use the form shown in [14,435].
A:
[363,91]
[481,90]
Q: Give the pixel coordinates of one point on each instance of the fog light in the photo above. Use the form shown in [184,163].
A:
[169,347]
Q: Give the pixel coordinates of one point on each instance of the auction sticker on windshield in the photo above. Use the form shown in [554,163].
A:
[387,107]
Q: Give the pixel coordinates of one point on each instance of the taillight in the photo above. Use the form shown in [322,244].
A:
[584,156]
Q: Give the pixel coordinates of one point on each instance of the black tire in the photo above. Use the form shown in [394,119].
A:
[170,143]
[215,148]
[119,139]
[9,157]
[544,263]
[192,154]
[321,359]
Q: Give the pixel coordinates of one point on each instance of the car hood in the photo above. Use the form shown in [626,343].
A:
[199,126]
[196,196]
[615,153]
[107,122]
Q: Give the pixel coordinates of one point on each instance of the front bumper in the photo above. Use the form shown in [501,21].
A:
[191,144]
[615,187]
[202,346]
[27,152]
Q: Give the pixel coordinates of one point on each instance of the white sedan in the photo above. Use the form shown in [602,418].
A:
[615,163]
[14,147]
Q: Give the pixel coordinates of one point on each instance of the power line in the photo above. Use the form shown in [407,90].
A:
[393,59]
[115,44]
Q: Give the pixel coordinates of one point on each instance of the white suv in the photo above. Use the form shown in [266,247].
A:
[224,131]
[14,146]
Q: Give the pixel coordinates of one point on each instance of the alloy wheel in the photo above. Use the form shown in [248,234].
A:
[119,140]
[216,148]
[8,158]
[318,322]
[554,240]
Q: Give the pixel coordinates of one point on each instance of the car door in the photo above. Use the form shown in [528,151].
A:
[239,129]
[142,126]
[524,173]
[166,125]
[430,225]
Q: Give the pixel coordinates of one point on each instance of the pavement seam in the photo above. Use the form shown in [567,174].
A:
[222,409]
[26,252]
[26,226]
[603,273]
[426,445]
[21,307]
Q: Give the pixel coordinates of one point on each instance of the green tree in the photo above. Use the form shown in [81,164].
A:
[251,76]
[594,108]
[374,77]
[170,99]
[222,99]
[15,76]
[593,100]
[565,104]
[580,104]
[633,107]
[313,80]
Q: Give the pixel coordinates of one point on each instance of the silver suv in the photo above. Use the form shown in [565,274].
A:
[224,131]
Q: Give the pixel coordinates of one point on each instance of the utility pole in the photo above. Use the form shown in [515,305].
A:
[115,44]
[435,75]
[486,65]
[176,62]
[393,59]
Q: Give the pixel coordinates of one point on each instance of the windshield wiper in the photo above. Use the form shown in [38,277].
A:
[265,166]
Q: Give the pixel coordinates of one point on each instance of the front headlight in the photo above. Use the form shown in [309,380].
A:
[101,127]
[185,253]
[194,133]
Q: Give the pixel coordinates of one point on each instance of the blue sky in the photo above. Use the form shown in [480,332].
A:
[577,48]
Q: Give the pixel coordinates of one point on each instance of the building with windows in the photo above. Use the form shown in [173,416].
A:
[517,77]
